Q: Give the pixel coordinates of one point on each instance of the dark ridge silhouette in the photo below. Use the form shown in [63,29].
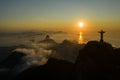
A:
[4,52]
[54,70]
[48,40]
[116,60]
[7,65]
[12,60]
[97,61]
[50,43]
[67,50]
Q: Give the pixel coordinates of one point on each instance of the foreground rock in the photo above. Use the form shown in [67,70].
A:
[98,61]
[54,70]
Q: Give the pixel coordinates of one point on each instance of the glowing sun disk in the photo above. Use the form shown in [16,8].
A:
[81,24]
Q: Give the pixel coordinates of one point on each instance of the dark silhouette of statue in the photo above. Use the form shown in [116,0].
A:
[101,35]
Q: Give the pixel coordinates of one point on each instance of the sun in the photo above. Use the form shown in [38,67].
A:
[81,24]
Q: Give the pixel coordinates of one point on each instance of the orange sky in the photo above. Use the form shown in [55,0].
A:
[59,15]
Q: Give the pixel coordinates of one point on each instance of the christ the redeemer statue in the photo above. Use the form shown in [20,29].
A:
[101,35]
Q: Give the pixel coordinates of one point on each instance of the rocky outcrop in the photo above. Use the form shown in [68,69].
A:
[97,62]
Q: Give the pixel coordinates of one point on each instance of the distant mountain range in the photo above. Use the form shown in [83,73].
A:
[31,33]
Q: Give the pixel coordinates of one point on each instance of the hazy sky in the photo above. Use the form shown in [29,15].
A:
[59,14]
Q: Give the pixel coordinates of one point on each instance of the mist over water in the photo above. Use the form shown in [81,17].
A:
[12,40]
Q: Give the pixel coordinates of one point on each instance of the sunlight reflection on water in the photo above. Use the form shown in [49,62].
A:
[80,40]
